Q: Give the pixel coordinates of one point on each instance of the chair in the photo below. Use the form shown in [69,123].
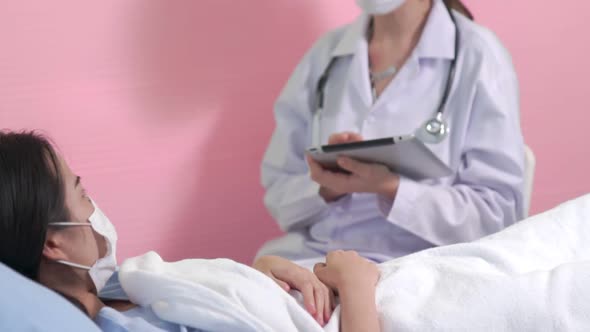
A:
[529,174]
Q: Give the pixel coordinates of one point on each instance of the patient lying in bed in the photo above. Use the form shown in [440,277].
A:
[532,276]
[53,233]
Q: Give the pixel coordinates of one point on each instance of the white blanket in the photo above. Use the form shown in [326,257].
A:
[534,276]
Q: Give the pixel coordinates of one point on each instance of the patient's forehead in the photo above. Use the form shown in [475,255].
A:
[68,179]
[64,168]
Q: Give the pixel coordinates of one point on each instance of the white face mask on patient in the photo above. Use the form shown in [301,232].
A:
[379,7]
[104,267]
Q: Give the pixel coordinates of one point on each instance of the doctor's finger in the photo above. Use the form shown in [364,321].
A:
[354,137]
[321,175]
[314,166]
[339,182]
[338,138]
[312,163]
[354,166]
[344,137]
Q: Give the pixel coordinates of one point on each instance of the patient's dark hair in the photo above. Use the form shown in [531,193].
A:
[32,195]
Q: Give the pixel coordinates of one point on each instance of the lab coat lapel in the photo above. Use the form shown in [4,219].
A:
[358,79]
[353,47]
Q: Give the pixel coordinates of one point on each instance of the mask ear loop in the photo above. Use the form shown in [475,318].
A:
[79,266]
[65,224]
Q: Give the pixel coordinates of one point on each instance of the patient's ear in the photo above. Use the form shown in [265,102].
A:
[54,245]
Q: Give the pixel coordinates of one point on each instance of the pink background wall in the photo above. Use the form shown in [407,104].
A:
[164,107]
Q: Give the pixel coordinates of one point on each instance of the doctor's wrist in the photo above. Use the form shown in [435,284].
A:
[389,187]
[330,195]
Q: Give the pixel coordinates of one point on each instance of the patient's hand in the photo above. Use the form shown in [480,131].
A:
[355,279]
[317,297]
[347,269]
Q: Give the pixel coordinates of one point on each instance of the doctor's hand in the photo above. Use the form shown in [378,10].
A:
[318,299]
[328,194]
[362,178]
[344,137]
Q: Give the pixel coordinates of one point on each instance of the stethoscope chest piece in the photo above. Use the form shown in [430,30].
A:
[433,131]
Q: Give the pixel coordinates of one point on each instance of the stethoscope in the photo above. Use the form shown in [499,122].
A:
[433,131]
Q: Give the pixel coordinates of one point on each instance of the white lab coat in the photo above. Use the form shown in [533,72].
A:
[484,149]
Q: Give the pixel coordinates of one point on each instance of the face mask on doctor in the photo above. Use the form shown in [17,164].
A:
[104,267]
[379,7]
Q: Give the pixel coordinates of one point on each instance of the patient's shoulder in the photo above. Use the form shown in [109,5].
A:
[28,306]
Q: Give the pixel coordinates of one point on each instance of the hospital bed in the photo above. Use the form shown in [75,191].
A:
[529,174]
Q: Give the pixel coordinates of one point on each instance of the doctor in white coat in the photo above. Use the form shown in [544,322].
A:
[389,72]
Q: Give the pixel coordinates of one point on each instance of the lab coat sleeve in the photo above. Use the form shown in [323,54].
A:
[487,192]
[291,196]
